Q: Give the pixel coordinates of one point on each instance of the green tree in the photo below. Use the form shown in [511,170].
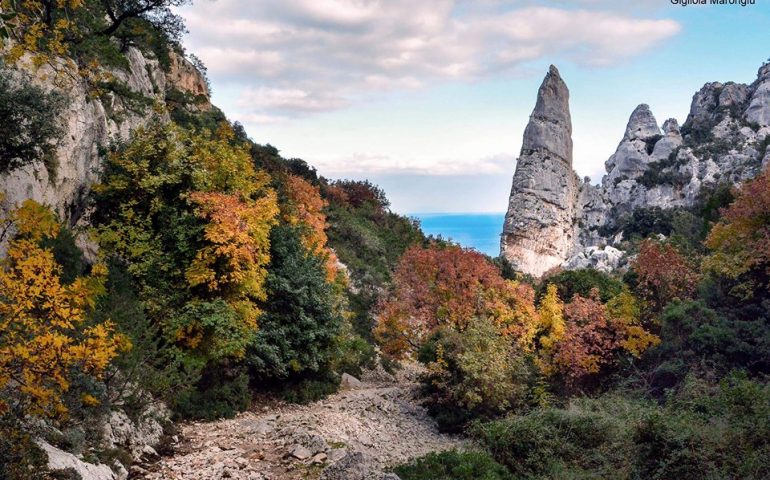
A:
[300,324]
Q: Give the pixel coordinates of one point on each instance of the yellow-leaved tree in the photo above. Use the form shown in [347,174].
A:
[44,329]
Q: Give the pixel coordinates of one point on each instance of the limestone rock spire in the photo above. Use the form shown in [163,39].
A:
[550,125]
[540,229]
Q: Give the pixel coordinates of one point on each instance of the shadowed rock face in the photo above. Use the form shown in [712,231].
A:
[539,229]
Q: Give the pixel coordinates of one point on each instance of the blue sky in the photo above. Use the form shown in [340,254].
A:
[430,99]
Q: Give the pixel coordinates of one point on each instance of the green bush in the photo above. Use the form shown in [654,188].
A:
[307,390]
[701,431]
[473,374]
[580,282]
[220,393]
[454,465]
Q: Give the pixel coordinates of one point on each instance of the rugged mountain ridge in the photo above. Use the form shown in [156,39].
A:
[554,220]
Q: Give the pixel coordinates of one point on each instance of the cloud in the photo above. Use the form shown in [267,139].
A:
[379,164]
[299,57]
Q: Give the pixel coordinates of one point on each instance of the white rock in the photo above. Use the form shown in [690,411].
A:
[60,460]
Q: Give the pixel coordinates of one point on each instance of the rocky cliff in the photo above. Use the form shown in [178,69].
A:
[555,220]
[91,120]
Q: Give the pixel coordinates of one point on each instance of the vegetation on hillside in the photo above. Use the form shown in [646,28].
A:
[660,373]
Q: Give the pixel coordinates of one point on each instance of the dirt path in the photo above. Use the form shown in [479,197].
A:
[355,433]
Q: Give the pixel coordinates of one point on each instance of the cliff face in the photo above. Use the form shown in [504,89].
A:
[553,220]
[91,123]
[539,230]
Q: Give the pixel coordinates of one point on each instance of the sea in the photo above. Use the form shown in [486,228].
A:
[473,230]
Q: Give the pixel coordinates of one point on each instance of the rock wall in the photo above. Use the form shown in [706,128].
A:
[90,123]
[553,220]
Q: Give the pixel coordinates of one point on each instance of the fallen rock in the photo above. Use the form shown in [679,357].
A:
[349,382]
[301,453]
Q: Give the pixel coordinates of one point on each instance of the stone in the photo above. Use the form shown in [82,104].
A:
[539,229]
[349,382]
[61,460]
[758,111]
[555,220]
[301,452]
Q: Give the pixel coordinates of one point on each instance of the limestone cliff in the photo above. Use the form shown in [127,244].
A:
[91,122]
[539,230]
[552,220]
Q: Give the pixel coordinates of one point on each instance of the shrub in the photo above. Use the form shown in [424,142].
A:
[580,282]
[300,325]
[220,393]
[454,465]
[476,373]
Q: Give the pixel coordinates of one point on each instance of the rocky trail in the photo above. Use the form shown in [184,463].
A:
[355,434]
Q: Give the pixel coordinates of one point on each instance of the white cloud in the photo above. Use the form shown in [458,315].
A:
[297,57]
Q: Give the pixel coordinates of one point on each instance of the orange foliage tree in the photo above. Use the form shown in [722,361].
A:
[44,328]
[740,242]
[596,334]
[663,274]
[442,285]
[305,207]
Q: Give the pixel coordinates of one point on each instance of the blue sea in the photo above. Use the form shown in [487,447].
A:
[477,230]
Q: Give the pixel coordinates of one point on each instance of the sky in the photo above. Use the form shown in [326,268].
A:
[429,98]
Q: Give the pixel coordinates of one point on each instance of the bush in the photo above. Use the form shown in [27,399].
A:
[702,431]
[300,325]
[454,465]
[557,443]
[307,390]
[220,393]
[580,282]
[473,374]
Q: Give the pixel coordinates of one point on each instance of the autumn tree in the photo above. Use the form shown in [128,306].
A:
[45,334]
[740,241]
[663,274]
[305,207]
[439,286]
[190,216]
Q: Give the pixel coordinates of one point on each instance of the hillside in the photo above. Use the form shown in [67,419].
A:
[178,300]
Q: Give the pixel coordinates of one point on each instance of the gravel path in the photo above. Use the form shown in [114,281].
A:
[358,432]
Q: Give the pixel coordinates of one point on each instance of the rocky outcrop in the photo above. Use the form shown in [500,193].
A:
[539,230]
[92,122]
[553,221]
[61,460]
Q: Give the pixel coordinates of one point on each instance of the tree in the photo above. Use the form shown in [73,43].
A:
[190,216]
[740,242]
[305,207]
[663,274]
[300,323]
[29,122]
[44,330]
[439,286]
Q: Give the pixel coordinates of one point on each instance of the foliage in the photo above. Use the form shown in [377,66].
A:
[44,332]
[580,282]
[439,286]
[476,373]
[82,31]
[698,338]
[300,324]
[29,122]
[663,275]
[20,457]
[739,244]
[190,218]
[220,393]
[454,465]
[700,432]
